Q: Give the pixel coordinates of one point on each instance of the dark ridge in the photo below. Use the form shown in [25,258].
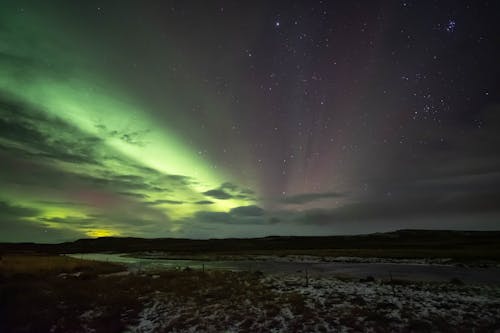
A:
[438,243]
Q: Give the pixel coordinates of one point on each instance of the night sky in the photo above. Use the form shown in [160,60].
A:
[210,119]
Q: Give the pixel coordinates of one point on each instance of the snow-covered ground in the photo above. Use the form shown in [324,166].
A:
[344,259]
[325,304]
[354,304]
[296,258]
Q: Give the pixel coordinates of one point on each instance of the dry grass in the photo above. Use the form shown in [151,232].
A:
[36,297]
[37,265]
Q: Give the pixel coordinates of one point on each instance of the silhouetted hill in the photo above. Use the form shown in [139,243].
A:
[406,243]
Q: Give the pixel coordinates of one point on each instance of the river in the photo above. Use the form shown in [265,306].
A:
[379,270]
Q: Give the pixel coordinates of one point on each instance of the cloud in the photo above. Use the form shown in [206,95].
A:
[36,149]
[161,202]
[237,216]
[310,197]
[18,224]
[212,217]
[218,194]
[247,211]
[9,210]
[180,180]
[204,202]
[229,190]
[136,138]
[134,195]
[30,132]
[408,208]
[92,221]
[44,157]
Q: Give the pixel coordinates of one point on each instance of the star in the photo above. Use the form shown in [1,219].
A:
[450,27]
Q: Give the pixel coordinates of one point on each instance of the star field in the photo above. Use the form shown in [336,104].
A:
[220,118]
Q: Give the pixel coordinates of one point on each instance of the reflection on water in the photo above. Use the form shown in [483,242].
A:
[490,275]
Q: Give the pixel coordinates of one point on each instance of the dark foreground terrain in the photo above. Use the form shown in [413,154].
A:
[42,290]
[62,294]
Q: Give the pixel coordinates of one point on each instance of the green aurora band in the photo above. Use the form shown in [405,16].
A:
[111,160]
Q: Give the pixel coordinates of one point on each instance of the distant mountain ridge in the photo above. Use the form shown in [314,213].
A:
[407,243]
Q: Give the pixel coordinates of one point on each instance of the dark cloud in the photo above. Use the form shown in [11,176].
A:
[130,178]
[29,136]
[274,220]
[243,215]
[19,224]
[74,221]
[33,133]
[212,217]
[9,210]
[12,230]
[164,201]
[204,202]
[137,138]
[389,128]
[218,194]
[247,211]
[390,209]
[478,182]
[32,147]
[229,190]
[135,195]
[120,183]
[61,203]
[310,197]
[181,179]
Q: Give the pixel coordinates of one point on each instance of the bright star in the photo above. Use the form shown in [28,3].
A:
[451,26]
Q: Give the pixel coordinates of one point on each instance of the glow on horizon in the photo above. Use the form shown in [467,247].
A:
[98,110]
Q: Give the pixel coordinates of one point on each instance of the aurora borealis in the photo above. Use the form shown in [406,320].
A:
[223,119]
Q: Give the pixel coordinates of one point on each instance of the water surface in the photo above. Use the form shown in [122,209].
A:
[408,271]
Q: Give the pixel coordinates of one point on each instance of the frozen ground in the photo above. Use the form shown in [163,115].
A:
[327,304]
[295,258]
[288,297]
[395,305]
[411,269]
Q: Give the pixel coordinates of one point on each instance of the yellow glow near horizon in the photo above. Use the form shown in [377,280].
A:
[102,233]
